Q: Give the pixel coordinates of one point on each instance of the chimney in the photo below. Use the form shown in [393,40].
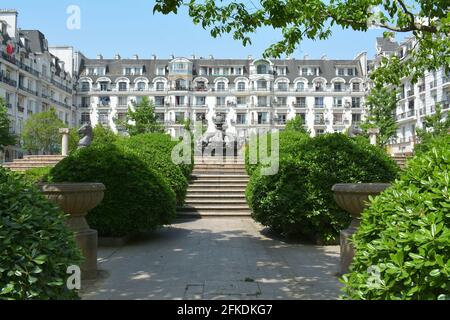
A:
[250,57]
[117,57]
[211,57]
[172,56]
[324,57]
[135,57]
[100,57]
[193,57]
[306,57]
[154,56]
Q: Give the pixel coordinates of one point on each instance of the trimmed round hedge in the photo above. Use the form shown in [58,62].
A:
[298,201]
[36,246]
[137,199]
[403,243]
[155,150]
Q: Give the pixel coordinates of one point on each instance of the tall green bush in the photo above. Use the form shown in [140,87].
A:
[155,150]
[36,246]
[137,199]
[403,243]
[298,201]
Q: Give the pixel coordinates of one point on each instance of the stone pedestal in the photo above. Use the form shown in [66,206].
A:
[353,198]
[76,199]
[373,134]
[64,142]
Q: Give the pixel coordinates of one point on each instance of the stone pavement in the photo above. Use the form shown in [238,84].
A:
[216,258]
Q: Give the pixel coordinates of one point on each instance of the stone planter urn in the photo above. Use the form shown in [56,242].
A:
[353,198]
[76,199]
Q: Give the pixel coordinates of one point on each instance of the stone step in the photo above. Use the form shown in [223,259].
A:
[30,164]
[203,190]
[216,207]
[217,201]
[223,177]
[219,185]
[202,214]
[219,171]
[236,195]
[219,166]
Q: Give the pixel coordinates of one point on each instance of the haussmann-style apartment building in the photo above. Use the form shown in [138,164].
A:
[252,94]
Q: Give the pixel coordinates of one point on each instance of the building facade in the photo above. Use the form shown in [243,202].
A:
[32,77]
[415,101]
[252,93]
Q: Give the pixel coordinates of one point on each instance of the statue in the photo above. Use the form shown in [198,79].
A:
[86,136]
[355,131]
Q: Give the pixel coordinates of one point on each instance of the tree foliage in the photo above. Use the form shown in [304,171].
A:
[296,124]
[142,120]
[428,20]
[381,104]
[6,138]
[41,132]
[435,125]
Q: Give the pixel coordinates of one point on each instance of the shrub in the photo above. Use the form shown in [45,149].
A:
[37,175]
[405,237]
[136,199]
[36,247]
[155,150]
[298,201]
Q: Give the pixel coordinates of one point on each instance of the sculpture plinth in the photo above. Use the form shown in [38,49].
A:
[353,198]
[76,199]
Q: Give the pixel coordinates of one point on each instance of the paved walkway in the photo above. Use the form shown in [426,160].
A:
[215,259]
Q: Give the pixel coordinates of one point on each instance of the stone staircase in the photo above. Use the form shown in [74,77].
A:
[31,162]
[401,159]
[216,189]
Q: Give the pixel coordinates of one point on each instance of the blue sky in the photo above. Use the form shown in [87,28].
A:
[129,27]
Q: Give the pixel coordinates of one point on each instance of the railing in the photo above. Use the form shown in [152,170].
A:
[433,84]
[21,65]
[319,122]
[61,86]
[300,105]
[23,88]
[7,80]
[20,108]
[410,93]
[319,106]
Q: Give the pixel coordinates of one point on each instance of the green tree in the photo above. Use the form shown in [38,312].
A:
[381,104]
[6,138]
[142,120]
[435,125]
[296,124]
[41,132]
[427,20]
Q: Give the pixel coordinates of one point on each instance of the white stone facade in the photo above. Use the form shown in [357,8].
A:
[32,79]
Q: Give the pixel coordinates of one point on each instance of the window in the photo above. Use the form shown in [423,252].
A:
[241,86]
[220,101]
[101,71]
[300,86]
[356,86]
[159,101]
[241,118]
[200,101]
[159,117]
[241,100]
[318,102]
[337,102]
[261,85]
[338,119]
[341,72]
[127,71]
[356,102]
[302,117]
[221,86]
[300,102]
[103,86]
[180,101]
[262,101]
[304,72]
[319,86]
[181,84]
[104,101]
[161,71]
[138,71]
[141,86]
[122,86]
[160,86]
[85,102]
[356,118]
[281,71]
[338,86]
[320,132]
[201,86]
[85,117]
[261,69]
[282,101]
[91,71]
[319,119]
[179,117]
[85,86]
[262,118]
[103,118]
[282,118]
[350,71]
[283,86]
[123,101]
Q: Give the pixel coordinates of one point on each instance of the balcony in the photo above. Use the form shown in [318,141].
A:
[320,122]
[433,85]
[356,106]
[21,65]
[319,106]
[180,88]
[410,93]
[201,89]
[7,80]
[300,105]
[104,105]
[20,108]
[338,106]
[23,88]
